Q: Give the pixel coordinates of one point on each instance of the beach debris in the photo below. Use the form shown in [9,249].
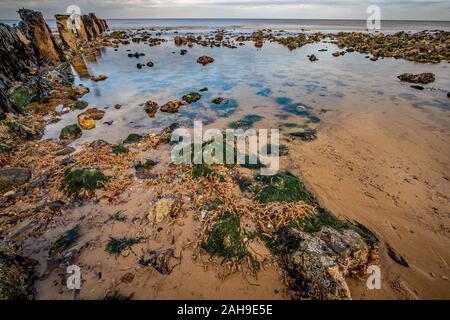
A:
[13,177]
[396,257]
[16,276]
[422,78]
[172,106]
[204,60]
[117,246]
[85,180]
[192,97]
[160,260]
[64,242]
[218,100]
[71,132]
[306,135]
[101,77]
[151,108]
[161,209]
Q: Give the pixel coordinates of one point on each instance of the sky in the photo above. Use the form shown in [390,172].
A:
[275,9]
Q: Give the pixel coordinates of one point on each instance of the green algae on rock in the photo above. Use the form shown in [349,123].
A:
[132,138]
[80,180]
[71,132]
[192,97]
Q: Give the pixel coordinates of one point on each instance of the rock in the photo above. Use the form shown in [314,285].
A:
[336,54]
[151,108]
[150,64]
[68,160]
[70,132]
[98,144]
[422,78]
[139,66]
[79,105]
[65,151]
[448,94]
[22,95]
[374,58]
[85,122]
[204,89]
[160,210]
[323,259]
[183,52]
[22,130]
[16,276]
[204,60]
[160,260]
[80,91]
[117,106]
[13,177]
[192,97]
[94,113]
[101,77]
[172,106]
[218,100]
[312,58]
[66,34]
[133,138]
[259,43]
[109,123]
[417,87]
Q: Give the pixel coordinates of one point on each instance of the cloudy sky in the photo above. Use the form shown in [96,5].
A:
[307,9]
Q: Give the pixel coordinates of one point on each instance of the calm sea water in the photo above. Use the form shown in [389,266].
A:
[282,86]
[287,24]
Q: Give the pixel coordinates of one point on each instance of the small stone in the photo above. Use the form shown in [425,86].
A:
[218,100]
[204,60]
[117,106]
[101,77]
[150,64]
[171,106]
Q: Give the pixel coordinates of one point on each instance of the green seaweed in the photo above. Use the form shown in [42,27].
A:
[119,149]
[245,123]
[282,187]
[132,138]
[117,245]
[117,216]
[79,179]
[71,132]
[226,240]
[65,241]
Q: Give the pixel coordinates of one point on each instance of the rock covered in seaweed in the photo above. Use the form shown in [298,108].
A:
[151,108]
[172,106]
[422,78]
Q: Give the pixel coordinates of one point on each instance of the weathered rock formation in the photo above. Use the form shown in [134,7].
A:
[41,39]
[65,31]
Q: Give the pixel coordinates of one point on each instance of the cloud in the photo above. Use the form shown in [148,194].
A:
[302,9]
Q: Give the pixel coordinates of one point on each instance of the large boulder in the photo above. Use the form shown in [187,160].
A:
[324,259]
[13,177]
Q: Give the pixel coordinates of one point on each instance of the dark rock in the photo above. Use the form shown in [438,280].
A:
[218,100]
[172,106]
[117,106]
[16,276]
[98,144]
[417,87]
[204,89]
[422,78]
[151,108]
[139,66]
[150,64]
[13,177]
[68,160]
[204,60]
[312,58]
[192,97]
[65,151]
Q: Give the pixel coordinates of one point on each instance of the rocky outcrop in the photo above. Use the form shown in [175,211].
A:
[41,39]
[93,26]
[65,31]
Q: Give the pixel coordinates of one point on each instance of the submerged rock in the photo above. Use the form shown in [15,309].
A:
[422,78]
[16,277]
[172,106]
[13,177]
[101,77]
[151,108]
[71,132]
[192,97]
[204,60]
[218,100]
